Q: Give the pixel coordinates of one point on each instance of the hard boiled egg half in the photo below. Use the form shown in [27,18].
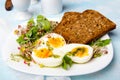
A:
[47,57]
[48,52]
[79,53]
[53,40]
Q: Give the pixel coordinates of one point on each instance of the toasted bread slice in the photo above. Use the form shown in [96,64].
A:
[84,27]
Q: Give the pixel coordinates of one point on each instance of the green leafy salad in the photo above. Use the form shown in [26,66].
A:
[29,35]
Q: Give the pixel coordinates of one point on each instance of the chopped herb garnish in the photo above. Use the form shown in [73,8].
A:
[97,55]
[56,56]
[41,65]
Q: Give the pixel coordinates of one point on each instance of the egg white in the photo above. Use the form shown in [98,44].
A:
[50,61]
[67,48]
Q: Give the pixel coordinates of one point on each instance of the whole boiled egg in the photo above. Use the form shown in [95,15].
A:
[79,53]
[47,57]
[52,40]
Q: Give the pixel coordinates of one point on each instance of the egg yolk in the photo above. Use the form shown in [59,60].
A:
[80,51]
[56,42]
[43,53]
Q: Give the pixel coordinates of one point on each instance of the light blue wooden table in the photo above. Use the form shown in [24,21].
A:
[110,8]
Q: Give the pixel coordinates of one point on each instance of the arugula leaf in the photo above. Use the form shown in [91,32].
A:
[101,43]
[30,23]
[32,32]
[43,23]
[40,18]
[31,36]
[64,65]
[21,40]
[67,62]
[97,45]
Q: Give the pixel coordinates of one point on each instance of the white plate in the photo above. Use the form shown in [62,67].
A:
[10,46]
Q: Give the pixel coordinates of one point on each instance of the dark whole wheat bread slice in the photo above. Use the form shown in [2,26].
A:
[84,27]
